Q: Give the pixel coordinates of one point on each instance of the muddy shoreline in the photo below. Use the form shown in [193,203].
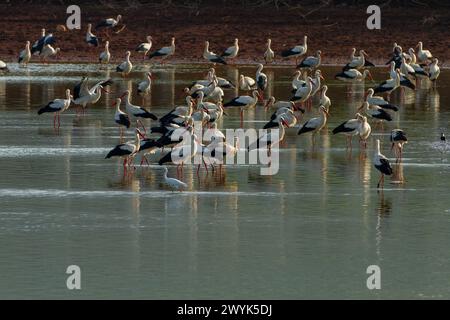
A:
[334,30]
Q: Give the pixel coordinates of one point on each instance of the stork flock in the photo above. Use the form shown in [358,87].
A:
[204,99]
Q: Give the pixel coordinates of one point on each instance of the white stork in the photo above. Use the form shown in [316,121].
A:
[398,139]
[91,39]
[105,56]
[231,52]
[261,80]
[314,125]
[127,150]
[379,101]
[382,164]
[164,52]
[49,51]
[57,106]
[324,99]
[246,83]
[243,102]
[424,55]
[120,117]
[269,55]
[25,55]
[144,87]
[109,23]
[296,51]
[211,56]
[145,46]
[435,71]
[126,66]
[353,75]
[390,84]
[350,128]
[83,95]
[137,111]
[311,62]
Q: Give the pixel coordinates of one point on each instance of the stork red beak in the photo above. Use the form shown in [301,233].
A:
[106,91]
[321,77]
[285,123]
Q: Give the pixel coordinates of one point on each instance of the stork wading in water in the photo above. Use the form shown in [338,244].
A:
[91,39]
[105,56]
[398,139]
[243,102]
[314,125]
[57,106]
[136,111]
[145,47]
[144,87]
[261,81]
[311,62]
[83,95]
[382,164]
[127,150]
[121,118]
[25,55]
[246,83]
[126,66]
[164,52]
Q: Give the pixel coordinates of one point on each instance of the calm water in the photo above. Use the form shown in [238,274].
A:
[309,232]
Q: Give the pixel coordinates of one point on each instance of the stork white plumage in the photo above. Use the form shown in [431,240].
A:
[83,95]
[311,62]
[353,75]
[297,81]
[145,86]
[105,56]
[25,55]
[126,66]
[423,55]
[435,71]
[269,55]
[136,111]
[389,85]
[211,56]
[48,51]
[296,51]
[3,66]
[364,130]
[121,118]
[57,106]
[303,93]
[348,128]
[164,52]
[127,150]
[145,47]
[246,83]
[231,52]
[91,39]
[314,125]
[243,102]
[261,80]
[109,24]
[382,164]
[398,139]
[379,101]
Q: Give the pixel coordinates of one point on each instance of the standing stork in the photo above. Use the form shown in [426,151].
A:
[296,51]
[25,55]
[261,80]
[91,39]
[243,102]
[424,55]
[145,47]
[164,52]
[269,55]
[314,125]
[382,164]
[44,40]
[127,150]
[349,128]
[398,139]
[121,118]
[246,83]
[126,66]
[435,71]
[144,87]
[379,101]
[231,52]
[48,52]
[137,111]
[57,106]
[389,85]
[105,56]
[211,56]
[311,62]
